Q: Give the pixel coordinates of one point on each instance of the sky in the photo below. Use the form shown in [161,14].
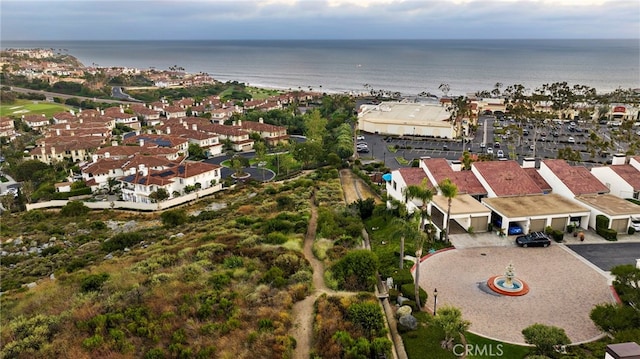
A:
[317,19]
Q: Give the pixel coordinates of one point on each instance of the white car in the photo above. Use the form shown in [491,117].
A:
[489,151]
[360,137]
[635,224]
[571,140]
[500,154]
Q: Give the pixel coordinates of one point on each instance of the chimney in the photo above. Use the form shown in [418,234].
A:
[239,123]
[233,123]
[102,112]
[67,126]
[168,130]
[53,151]
[194,127]
[619,159]
[529,162]
[186,125]
[57,132]
[260,120]
[141,142]
[456,165]
[94,158]
[107,155]
[81,120]
[114,143]
[142,168]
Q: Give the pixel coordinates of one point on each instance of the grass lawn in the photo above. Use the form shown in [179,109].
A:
[492,348]
[29,107]
[402,161]
[424,342]
[260,93]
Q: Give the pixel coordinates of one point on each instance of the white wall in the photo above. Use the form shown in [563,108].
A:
[556,184]
[617,186]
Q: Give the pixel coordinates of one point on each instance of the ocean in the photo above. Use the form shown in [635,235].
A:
[347,66]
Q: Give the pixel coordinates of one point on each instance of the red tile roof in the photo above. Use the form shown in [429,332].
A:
[628,173]
[506,178]
[466,181]
[414,176]
[539,180]
[578,179]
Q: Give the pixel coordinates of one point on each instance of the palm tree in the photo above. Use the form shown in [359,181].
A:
[425,195]
[406,231]
[450,320]
[449,190]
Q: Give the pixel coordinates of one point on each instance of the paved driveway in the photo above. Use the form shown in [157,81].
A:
[608,255]
[563,290]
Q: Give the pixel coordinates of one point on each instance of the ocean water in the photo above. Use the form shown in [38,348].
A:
[405,66]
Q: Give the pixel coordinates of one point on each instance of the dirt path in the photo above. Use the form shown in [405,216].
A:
[303,310]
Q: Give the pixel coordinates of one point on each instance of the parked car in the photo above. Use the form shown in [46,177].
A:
[533,239]
[489,151]
[635,223]
[514,228]
[483,145]
[571,140]
[500,154]
[360,137]
[496,145]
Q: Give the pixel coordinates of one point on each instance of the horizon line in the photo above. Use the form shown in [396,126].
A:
[346,39]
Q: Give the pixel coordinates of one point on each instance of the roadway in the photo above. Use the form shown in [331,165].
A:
[51,95]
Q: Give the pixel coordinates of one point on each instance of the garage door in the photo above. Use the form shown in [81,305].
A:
[620,225]
[537,225]
[437,217]
[559,223]
[479,224]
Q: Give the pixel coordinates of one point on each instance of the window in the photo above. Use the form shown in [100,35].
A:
[394,185]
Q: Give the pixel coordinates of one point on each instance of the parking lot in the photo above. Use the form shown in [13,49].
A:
[548,140]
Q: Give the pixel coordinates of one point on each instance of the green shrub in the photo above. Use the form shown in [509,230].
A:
[276,238]
[98,225]
[155,353]
[402,277]
[174,218]
[93,342]
[122,241]
[631,230]
[408,291]
[608,234]
[74,209]
[93,282]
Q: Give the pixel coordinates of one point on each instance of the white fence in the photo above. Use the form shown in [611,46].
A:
[137,206]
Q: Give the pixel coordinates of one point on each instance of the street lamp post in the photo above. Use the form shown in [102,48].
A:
[435,300]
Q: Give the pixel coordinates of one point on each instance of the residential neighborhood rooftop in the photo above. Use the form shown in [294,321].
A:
[610,204]
[506,178]
[535,205]
[461,204]
[578,179]
[414,176]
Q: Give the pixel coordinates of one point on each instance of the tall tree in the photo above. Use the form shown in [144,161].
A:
[449,190]
[315,126]
[425,194]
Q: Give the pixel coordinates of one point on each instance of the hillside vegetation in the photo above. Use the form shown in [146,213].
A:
[215,279]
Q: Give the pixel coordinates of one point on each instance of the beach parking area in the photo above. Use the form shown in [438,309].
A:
[563,290]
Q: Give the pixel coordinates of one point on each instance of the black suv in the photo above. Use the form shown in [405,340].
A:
[533,239]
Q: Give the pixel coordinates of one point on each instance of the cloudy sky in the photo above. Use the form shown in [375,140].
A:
[317,19]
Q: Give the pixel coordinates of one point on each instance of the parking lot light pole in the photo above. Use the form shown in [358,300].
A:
[435,300]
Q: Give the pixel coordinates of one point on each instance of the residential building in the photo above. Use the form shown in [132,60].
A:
[621,178]
[140,183]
